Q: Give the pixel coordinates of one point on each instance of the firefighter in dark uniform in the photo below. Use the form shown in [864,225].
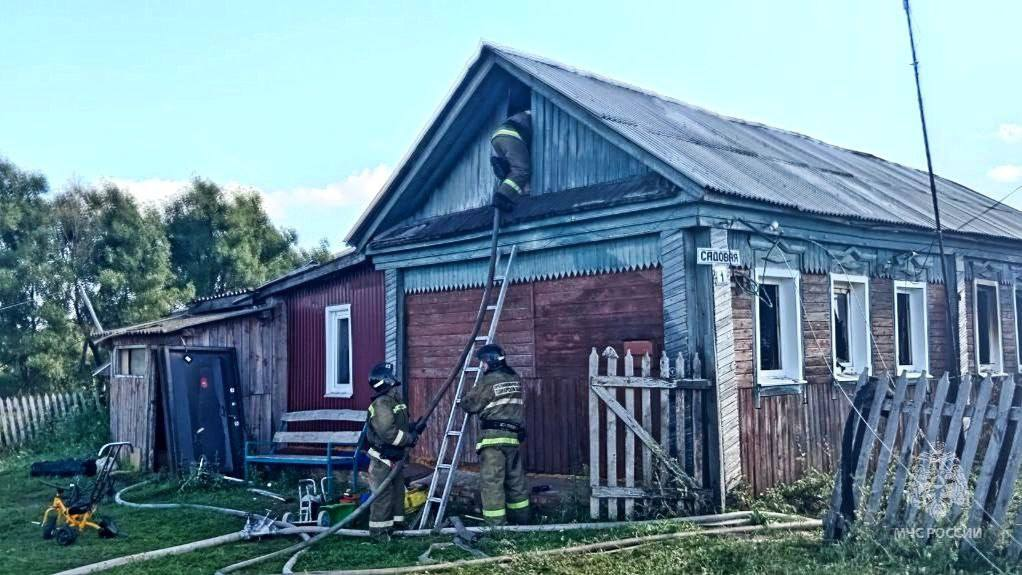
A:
[511,161]
[499,402]
[389,436]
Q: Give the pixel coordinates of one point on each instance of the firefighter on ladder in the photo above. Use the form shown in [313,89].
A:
[511,161]
[498,401]
[389,435]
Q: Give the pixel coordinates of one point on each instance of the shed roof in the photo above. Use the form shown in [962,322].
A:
[749,160]
[175,323]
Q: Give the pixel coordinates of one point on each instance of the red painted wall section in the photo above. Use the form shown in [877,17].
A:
[361,287]
[547,330]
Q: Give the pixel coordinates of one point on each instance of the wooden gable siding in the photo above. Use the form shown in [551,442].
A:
[547,329]
[568,154]
[363,289]
[565,154]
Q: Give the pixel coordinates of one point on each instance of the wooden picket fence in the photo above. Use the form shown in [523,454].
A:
[642,428]
[934,459]
[23,417]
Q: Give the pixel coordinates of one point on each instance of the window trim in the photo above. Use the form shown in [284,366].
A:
[1016,294]
[997,367]
[116,363]
[917,368]
[790,375]
[852,279]
[331,314]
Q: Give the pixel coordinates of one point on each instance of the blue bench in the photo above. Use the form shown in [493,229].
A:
[351,443]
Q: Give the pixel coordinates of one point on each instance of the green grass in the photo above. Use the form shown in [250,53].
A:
[22,550]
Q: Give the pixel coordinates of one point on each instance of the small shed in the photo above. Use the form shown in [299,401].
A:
[303,341]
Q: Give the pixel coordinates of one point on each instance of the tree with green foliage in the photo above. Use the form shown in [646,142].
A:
[38,342]
[220,242]
[118,253]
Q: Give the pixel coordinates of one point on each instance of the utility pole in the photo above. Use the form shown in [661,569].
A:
[948,287]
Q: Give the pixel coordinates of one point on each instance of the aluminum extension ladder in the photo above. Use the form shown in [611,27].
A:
[443,475]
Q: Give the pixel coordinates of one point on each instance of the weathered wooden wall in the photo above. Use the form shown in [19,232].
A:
[132,408]
[261,343]
[792,434]
[547,330]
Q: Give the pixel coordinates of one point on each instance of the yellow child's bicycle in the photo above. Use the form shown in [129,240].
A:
[71,512]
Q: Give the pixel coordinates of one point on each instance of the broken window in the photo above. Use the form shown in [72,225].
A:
[850,308]
[988,327]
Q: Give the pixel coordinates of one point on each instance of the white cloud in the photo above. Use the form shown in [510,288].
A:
[351,194]
[354,193]
[1010,133]
[153,191]
[1007,173]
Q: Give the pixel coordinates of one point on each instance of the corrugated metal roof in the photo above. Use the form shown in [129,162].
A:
[619,192]
[174,323]
[754,161]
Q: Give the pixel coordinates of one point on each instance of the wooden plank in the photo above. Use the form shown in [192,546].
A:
[5,432]
[886,446]
[633,382]
[834,522]
[950,447]
[355,415]
[26,410]
[594,437]
[629,370]
[908,440]
[930,440]
[318,437]
[972,437]
[665,415]
[612,507]
[993,452]
[869,438]
[626,492]
[647,422]
[1007,485]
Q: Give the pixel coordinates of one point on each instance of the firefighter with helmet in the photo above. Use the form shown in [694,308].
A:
[511,160]
[390,435]
[498,401]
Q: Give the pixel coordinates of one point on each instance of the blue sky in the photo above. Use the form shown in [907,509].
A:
[313,103]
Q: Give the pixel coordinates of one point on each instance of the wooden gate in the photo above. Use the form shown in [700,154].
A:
[932,459]
[643,428]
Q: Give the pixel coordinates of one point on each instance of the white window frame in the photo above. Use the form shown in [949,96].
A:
[996,352]
[1015,295]
[920,328]
[332,314]
[859,326]
[789,312]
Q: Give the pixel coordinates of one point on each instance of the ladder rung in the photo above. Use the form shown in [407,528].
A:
[443,465]
[472,368]
[491,308]
[436,499]
[454,433]
[482,337]
[498,278]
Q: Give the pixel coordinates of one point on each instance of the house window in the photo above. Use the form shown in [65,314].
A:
[778,329]
[988,327]
[850,309]
[338,351]
[910,327]
[130,361]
